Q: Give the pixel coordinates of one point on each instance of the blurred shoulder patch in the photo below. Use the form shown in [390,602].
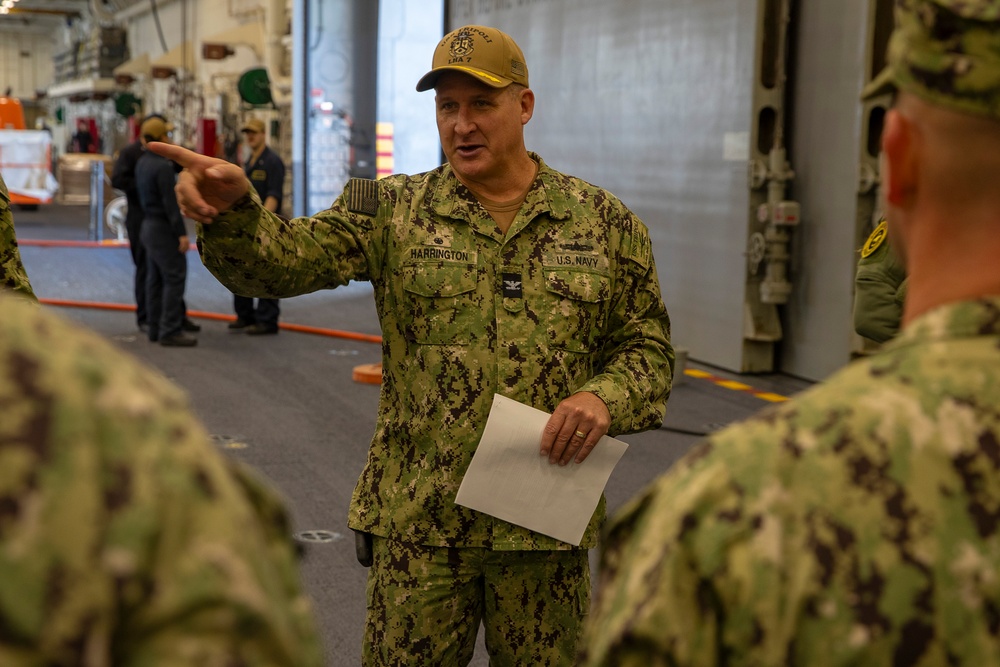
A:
[875,240]
[362,196]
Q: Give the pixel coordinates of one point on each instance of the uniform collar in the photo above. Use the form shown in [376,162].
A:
[255,160]
[962,319]
[453,200]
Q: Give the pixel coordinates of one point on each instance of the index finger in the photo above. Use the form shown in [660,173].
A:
[182,156]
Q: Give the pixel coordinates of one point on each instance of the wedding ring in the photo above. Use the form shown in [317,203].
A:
[580,434]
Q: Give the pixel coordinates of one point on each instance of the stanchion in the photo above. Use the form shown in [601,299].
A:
[96,232]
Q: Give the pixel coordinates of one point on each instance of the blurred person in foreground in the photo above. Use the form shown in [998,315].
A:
[12,274]
[859,523]
[123,178]
[493,274]
[126,539]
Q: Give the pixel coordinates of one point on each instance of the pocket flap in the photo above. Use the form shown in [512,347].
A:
[578,285]
[436,280]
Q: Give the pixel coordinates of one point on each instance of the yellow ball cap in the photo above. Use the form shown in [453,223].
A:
[253,125]
[157,128]
[485,53]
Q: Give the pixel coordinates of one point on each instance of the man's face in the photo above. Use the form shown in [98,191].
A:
[254,139]
[481,128]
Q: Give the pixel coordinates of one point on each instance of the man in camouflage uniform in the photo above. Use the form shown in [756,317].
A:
[125,538]
[12,274]
[879,288]
[492,274]
[857,524]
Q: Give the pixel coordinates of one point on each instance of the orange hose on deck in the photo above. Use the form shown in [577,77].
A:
[66,303]
[336,333]
[205,315]
[55,243]
[301,328]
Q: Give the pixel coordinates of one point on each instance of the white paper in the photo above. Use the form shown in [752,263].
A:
[508,478]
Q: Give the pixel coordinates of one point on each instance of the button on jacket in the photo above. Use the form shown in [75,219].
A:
[567,301]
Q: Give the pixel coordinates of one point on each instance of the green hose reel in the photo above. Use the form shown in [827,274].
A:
[254,88]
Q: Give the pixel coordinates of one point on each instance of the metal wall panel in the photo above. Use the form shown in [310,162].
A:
[830,69]
[653,100]
[25,60]
[339,78]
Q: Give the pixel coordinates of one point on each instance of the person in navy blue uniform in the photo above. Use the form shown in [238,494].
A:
[165,238]
[123,178]
[266,172]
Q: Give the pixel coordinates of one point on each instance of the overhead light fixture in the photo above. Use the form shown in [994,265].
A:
[163,72]
[216,51]
[7,4]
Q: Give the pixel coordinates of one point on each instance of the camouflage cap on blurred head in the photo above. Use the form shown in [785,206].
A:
[947,52]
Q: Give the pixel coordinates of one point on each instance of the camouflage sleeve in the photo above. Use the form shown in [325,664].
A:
[258,253]
[125,537]
[724,559]
[879,292]
[12,273]
[653,606]
[854,525]
[636,364]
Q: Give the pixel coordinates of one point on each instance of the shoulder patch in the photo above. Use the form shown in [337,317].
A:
[875,240]
[642,249]
[362,196]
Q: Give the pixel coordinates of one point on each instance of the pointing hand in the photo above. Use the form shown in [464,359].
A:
[207,186]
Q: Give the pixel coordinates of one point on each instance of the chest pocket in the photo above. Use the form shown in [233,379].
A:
[439,308]
[577,309]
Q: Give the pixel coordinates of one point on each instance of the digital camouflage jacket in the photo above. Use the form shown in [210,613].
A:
[126,540]
[12,274]
[857,524]
[567,301]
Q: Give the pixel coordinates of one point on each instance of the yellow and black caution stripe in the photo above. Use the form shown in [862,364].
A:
[735,386]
